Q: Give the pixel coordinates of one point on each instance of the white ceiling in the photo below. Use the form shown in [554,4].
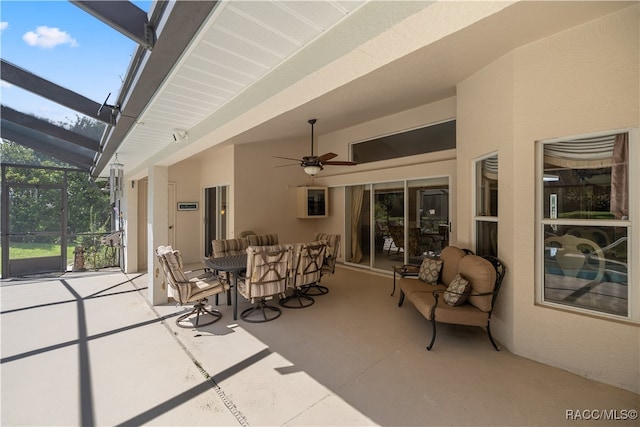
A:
[241,42]
[259,70]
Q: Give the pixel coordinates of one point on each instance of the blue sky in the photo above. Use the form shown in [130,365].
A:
[61,43]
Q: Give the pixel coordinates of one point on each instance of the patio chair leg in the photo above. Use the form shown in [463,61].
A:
[261,307]
[401,300]
[491,338]
[318,289]
[198,309]
[433,336]
[303,300]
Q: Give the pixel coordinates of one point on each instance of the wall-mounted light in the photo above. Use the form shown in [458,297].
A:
[547,177]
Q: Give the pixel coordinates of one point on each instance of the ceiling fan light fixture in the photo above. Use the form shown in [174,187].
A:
[312,170]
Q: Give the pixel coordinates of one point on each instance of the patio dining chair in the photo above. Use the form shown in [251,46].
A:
[308,259]
[224,248]
[329,263]
[267,276]
[187,290]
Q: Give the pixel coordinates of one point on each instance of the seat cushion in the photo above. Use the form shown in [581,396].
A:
[457,292]
[465,314]
[430,270]
[482,276]
[409,286]
[201,289]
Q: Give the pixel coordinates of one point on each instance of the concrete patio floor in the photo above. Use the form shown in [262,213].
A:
[87,349]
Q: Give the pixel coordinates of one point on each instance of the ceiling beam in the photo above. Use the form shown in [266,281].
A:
[43,143]
[48,128]
[17,76]
[123,16]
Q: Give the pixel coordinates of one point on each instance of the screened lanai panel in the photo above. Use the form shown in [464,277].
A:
[36,218]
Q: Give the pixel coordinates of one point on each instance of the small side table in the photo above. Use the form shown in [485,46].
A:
[407,270]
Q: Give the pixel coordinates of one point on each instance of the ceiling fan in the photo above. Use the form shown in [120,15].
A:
[314,164]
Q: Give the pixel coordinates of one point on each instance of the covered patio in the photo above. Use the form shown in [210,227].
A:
[509,77]
[353,358]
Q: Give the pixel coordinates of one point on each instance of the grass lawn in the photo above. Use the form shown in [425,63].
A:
[37,250]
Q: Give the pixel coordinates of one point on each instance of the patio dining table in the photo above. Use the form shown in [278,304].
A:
[234,265]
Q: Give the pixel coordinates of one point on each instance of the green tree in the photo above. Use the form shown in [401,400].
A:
[88,210]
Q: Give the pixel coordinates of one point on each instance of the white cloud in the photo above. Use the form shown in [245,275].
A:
[48,38]
[4,25]
[5,84]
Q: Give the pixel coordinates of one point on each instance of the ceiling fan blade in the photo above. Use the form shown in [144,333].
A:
[340,163]
[290,164]
[286,158]
[327,156]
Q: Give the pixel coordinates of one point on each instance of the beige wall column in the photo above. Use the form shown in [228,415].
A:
[130,213]
[157,230]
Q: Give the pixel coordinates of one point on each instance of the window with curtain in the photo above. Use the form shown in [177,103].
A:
[585,225]
[486,209]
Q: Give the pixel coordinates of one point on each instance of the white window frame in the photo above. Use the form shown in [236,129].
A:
[474,202]
[633,308]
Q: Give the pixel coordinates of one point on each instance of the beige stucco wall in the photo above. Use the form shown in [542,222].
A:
[579,81]
[265,195]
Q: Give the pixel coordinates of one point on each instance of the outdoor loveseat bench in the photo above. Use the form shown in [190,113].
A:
[456,288]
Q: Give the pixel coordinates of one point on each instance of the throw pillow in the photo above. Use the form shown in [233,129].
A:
[458,291]
[430,270]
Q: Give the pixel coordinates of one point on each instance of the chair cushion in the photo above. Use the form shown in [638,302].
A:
[430,270]
[263,239]
[201,289]
[458,291]
[451,256]
[228,247]
[482,276]
[333,243]
[174,263]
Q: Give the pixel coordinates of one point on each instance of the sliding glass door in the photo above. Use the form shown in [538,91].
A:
[388,199]
[216,202]
[394,223]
